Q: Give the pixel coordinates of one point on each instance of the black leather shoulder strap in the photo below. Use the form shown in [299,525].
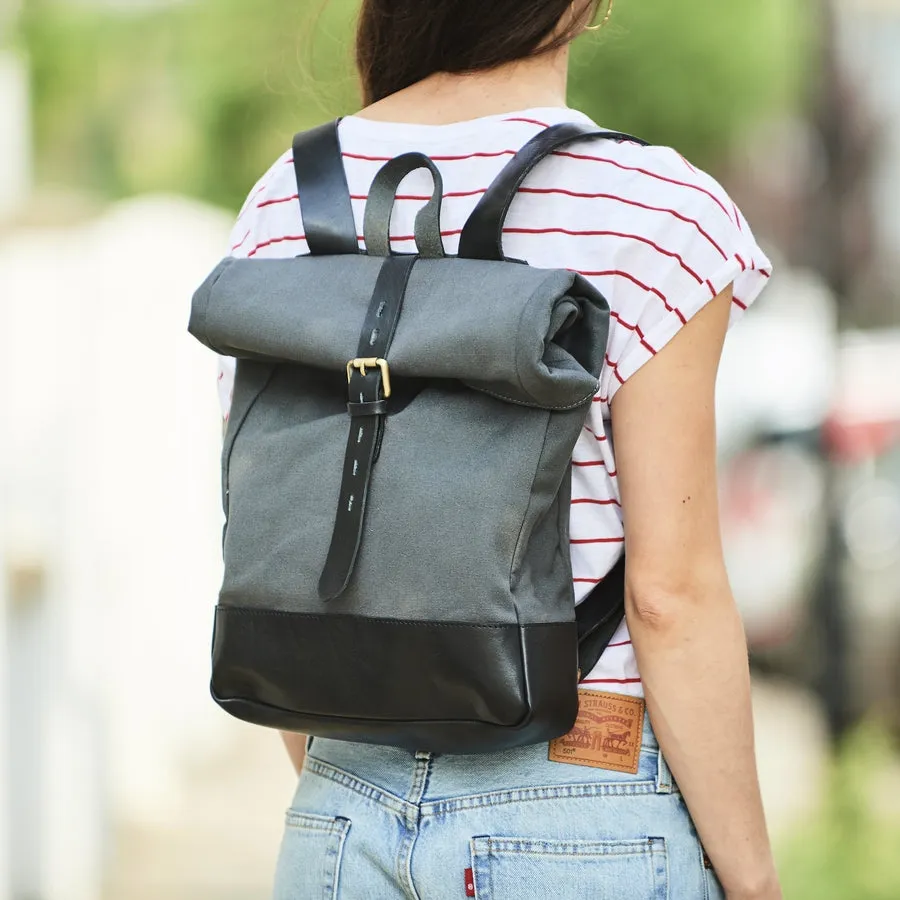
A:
[325,205]
[482,236]
[599,617]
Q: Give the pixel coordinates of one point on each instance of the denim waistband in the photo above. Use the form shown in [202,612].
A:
[648,742]
[392,771]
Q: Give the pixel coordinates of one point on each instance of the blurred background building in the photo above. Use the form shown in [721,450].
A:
[130,133]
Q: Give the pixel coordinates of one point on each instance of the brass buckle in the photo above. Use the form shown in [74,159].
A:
[362,364]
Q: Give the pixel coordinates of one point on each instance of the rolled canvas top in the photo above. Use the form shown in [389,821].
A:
[527,335]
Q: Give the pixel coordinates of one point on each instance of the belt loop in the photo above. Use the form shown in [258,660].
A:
[663,775]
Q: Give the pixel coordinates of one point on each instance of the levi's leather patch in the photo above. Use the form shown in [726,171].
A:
[607,733]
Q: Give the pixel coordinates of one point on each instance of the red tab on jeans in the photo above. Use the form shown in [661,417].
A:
[470,883]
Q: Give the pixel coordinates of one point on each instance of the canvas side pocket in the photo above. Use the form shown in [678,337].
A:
[309,863]
[527,869]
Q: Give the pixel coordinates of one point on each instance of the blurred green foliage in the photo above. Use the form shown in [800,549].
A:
[199,97]
[852,849]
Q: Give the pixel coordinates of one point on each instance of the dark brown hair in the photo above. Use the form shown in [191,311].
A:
[400,42]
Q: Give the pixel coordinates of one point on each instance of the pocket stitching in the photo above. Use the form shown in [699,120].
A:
[575,848]
[558,792]
[310,822]
[335,830]
[484,847]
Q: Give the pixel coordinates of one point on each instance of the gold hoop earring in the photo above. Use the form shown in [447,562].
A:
[606,18]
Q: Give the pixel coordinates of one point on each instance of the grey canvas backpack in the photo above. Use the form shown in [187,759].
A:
[397,472]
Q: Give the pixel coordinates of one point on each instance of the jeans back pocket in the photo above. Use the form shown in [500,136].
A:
[508,868]
[309,863]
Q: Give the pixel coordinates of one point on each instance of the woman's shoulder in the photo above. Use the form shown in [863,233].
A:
[653,176]
[654,182]
[271,212]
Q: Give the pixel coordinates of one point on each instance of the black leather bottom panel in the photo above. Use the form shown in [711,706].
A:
[448,688]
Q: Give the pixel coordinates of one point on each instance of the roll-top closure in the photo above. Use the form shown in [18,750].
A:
[526,335]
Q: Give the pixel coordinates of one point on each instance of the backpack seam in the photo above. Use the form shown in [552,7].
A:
[241,610]
[506,399]
[528,508]
[228,450]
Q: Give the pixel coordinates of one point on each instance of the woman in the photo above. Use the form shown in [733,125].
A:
[469,82]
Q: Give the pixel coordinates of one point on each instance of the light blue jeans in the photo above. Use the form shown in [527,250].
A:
[377,823]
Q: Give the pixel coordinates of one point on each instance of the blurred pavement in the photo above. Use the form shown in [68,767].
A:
[221,841]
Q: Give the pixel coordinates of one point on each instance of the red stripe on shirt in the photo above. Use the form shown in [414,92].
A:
[624,324]
[627,202]
[692,167]
[612,681]
[422,198]
[599,437]
[240,243]
[620,644]
[739,303]
[278,240]
[251,198]
[569,153]
[601,463]
[264,203]
[652,290]
[529,121]
[649,174]
[620,234]
[364,197]
[615,370]
[609,540]
[459,158]
[525,190]
[455,231]
[412,237]
[610,502]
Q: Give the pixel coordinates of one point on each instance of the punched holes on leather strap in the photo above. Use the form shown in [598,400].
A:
[369,387]
[368,374]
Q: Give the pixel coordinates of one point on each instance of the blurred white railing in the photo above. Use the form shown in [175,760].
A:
[110,526]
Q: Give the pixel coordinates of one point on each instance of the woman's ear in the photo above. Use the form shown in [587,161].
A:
[585,13]
[578,16]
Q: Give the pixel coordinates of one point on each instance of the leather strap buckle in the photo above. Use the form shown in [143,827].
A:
[370,363]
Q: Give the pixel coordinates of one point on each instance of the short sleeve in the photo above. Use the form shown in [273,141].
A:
[693,244]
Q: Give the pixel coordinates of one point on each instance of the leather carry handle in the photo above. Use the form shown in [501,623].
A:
[482,236]
[325,206]
[383,197]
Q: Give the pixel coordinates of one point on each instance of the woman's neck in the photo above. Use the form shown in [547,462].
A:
[442,99]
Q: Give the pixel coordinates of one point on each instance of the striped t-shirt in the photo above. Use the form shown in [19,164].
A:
[657,236]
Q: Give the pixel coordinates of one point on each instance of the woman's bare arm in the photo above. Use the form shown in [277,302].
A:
[686,630]
[296,748]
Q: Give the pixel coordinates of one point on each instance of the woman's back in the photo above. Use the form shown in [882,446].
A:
[660,238]
[597,812]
